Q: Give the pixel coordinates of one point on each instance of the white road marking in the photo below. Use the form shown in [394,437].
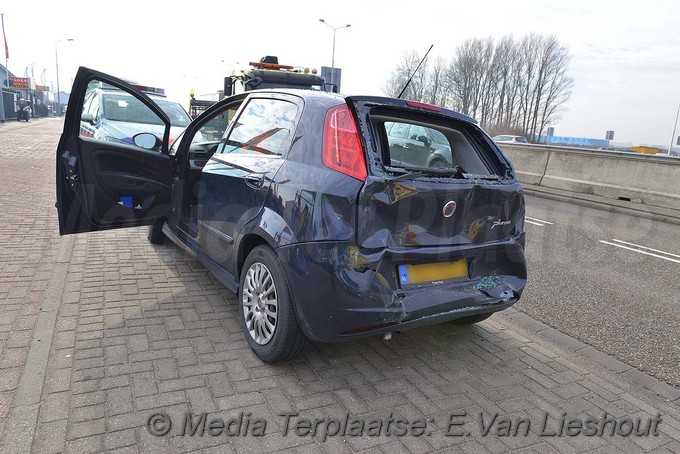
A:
[648,248]
[538,220]
[534,223]
[641,252]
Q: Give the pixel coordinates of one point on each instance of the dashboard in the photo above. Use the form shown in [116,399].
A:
[200,153]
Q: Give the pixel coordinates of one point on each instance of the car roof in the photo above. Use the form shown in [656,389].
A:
[380,100]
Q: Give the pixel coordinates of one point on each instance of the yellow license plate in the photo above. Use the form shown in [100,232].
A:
[432,272]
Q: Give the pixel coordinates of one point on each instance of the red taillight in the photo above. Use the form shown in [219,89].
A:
[423,105]
[342,149]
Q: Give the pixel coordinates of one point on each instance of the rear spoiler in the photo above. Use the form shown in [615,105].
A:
[406,104]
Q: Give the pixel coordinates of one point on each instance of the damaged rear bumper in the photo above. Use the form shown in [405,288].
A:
[342,293]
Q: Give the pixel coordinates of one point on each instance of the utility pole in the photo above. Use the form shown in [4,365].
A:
[674,126]
[56,59]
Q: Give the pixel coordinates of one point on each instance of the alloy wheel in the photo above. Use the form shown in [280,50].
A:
[260,307]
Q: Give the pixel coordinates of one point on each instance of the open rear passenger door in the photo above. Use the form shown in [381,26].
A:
[113,167]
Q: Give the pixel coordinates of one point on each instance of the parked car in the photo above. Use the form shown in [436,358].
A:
[510,139]
[114,115]
[301,209]
[417,145]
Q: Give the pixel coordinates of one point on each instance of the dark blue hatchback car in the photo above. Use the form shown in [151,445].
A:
[312,208]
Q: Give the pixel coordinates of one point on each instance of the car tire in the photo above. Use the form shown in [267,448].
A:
[283,339]
[156,235]
[472,319]
[438,163]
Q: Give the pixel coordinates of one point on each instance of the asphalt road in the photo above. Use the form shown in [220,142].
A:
[621,298]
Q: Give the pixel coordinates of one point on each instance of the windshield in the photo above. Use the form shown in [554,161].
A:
[123,107]
[177,115]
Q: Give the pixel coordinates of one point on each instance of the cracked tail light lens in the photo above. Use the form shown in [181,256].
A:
[342,150]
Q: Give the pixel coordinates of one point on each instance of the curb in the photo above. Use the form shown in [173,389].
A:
[24,414]
[575,346]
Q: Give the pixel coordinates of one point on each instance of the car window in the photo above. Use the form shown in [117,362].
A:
[88,101]
[216,127]
[521,139]
[172,151]
[117,116]
[93,108]
[417,131]
[397,130]
[262,127]
[439,137]
[125,108]
[439,147]
[177,115]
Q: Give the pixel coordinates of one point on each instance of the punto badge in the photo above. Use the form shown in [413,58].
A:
[449,208]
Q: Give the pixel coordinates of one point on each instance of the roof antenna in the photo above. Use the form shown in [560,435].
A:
[414,72]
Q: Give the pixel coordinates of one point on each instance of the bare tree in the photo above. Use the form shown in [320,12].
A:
[436,88]
[558,84]
[509,85]
[400,75]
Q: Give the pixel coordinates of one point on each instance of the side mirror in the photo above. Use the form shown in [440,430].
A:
[147,141]
[87,118]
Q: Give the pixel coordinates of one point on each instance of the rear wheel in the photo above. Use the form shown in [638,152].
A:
[266,310]
[156,235]
[438,164]
[472,319]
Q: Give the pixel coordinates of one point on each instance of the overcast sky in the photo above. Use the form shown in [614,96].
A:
[625,54]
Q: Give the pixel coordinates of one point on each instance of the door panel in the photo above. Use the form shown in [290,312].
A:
[104,182]
[192,153]
[236,180]
[229,198]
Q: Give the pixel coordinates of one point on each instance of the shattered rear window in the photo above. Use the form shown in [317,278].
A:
[412,144]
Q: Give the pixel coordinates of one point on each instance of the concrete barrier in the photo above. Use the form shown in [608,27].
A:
[652,180]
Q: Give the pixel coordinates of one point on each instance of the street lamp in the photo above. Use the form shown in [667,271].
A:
[56,59]
[333,58]
[670,147]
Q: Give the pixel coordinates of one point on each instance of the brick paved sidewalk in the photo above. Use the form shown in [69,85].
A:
[28,241]
[128,329]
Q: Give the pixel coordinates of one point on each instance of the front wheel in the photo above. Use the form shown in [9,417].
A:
[266,310]
[156,235]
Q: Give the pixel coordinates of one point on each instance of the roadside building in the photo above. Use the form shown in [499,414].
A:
[7,104]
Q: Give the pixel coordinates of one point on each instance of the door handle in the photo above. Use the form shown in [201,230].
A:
[255,180]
